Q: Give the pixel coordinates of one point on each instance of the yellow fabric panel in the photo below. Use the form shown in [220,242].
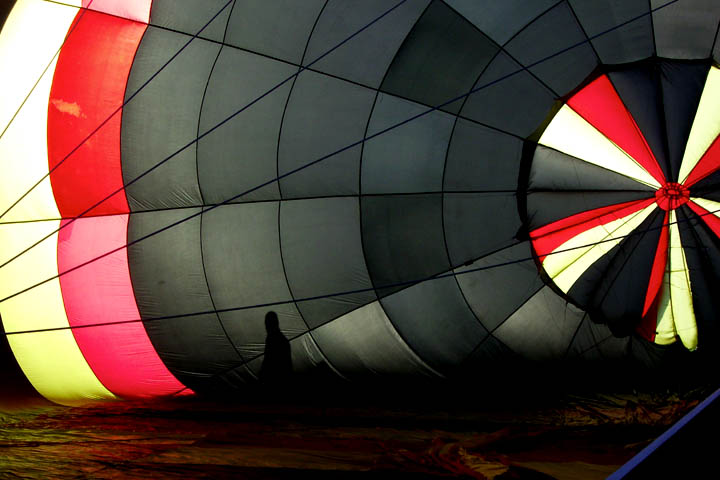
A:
[676,313]
[709,205]
[52,361]
[705,127]
[570,262]
[569,133]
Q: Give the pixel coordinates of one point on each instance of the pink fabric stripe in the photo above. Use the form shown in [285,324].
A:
[138,10]
[121,356]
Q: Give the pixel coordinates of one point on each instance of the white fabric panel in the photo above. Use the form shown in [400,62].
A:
[569,133]
[676,316]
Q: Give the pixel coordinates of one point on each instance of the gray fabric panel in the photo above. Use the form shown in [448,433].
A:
[496,292]
[555,170]
[366,57]
[323,115]
[365,342]
[190,16]
[241,154]
[490,353]
[546,207]
[403,238]
[440,59]
[307,359]
[162,118]
[685,29]
[409,158]
[500,20]
[241,250]
[633,41]
[435,321]
[235,378]
[542,328]
[594,341]
[716,50]
[478,223]
[550,34]
[508,98]
[323,255]
[168,279]
[279,29]
[480,158]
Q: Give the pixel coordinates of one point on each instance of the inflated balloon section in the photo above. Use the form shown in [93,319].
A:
[417,188]
[622,199]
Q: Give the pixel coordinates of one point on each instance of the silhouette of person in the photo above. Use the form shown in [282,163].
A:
[276,367]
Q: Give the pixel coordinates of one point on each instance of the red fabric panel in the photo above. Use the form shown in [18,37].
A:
[658,268]
[709,218]
[121,356]
[648,325]
[88,86]
[600,105]
[138,10]
[547,238]
[708,164]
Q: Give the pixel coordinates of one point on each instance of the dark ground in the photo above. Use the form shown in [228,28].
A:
[521,434]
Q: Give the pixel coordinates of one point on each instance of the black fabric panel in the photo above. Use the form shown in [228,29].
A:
[440,59]
[708,187]
[241,154]
[548,35]
[279,29]
[323,255]
[481,159]
[685,29]
[639,88]
[554,170]
[495,293]
[241,251]
[500,20]
[595,341]
[716,50]
[508,98]
[702,253]
[403,238]
[435,321]
[682,86]
[190,16]
[633,41]
[479,223]
[546,207]
[366,57]
[323,116]
[409,158]
[162,118]
[168,279]
[613,289]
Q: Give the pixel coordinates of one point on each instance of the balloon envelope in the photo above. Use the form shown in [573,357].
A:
[417,189]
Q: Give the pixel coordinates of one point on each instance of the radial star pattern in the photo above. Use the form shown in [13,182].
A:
[621,186]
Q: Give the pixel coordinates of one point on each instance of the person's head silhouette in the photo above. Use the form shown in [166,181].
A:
[272,324]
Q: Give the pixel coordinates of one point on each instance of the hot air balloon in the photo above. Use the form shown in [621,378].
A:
[416,187]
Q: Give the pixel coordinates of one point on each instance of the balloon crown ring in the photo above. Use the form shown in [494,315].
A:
[671,195]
